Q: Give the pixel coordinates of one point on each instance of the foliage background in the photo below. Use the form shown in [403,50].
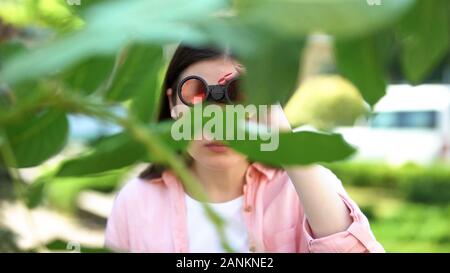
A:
[105,59]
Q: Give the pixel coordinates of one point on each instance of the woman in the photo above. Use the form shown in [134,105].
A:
[296,209]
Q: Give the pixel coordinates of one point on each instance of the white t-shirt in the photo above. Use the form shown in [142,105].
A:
[202,233]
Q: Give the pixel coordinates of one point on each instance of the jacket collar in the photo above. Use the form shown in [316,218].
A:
[268,172]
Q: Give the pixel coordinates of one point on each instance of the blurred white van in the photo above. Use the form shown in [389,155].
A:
[410,123]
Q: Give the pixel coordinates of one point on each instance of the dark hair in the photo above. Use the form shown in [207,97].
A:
[183,57]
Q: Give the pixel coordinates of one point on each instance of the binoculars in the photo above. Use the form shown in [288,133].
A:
[194,89]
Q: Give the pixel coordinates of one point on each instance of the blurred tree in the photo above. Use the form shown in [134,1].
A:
[325,102]
[54,14]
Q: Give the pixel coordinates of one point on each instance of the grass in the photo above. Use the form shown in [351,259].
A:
[402,226]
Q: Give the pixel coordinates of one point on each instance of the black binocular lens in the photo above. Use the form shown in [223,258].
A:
[194,89]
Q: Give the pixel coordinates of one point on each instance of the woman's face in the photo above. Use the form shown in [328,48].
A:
[211,154]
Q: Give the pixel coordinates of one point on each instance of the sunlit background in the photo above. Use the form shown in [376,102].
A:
[400,175]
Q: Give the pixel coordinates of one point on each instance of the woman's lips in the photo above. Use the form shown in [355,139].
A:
[217,147]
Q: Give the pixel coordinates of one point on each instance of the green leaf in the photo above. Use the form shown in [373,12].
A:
[111,153]
[89,74]
[137,74]
[272,71]
[362,61]
[10,48]
[62,192]
[67,246]
[425,38]
[38,138]
[6,98]
[300,148]
[118,151]
[35,194]
[336,17]
[145,103]
[113,25]
[84,5]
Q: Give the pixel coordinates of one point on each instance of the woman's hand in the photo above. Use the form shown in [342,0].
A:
[318,191]
[239,69]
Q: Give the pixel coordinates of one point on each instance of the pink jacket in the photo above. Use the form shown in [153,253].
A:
[150,216]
